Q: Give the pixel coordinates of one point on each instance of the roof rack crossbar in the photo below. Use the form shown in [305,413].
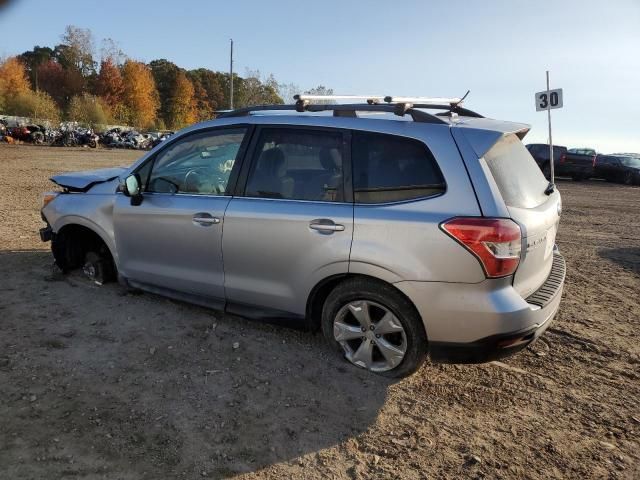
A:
[326,98]
[423,100]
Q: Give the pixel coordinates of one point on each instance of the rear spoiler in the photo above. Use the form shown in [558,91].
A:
[483,133]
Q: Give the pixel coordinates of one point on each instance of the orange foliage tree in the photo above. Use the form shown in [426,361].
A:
[13,79]
[183,105]
[109,85]
[140,95]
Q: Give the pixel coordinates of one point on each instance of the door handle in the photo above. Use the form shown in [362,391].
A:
[205,219]
[325,225]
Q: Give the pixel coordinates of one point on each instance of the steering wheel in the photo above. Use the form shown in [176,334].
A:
[192,181]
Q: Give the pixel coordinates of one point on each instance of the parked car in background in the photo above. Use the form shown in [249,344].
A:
[380,226]
[619,168]
[575,163]
[540,153]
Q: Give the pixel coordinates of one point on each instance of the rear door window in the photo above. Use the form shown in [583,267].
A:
[519,179]
[388,168]
[297,164]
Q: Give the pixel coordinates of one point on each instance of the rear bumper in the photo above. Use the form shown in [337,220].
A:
[474,323]
[486,349]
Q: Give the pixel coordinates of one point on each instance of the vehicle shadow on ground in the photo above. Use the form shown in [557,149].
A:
[628,258]
[126,384]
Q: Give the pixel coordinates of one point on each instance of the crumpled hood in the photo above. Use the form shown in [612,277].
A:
[83,181]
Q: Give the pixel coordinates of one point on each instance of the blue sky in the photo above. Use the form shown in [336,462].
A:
[497,49]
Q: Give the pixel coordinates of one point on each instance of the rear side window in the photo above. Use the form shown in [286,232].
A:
[387,168]
[297,164]
[519,179]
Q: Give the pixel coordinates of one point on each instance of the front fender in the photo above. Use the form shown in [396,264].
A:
[94,212]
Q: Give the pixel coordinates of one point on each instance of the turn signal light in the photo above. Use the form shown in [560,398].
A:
[48,197]
[495,242]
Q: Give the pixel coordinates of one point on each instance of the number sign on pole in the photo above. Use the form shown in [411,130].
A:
[547,101]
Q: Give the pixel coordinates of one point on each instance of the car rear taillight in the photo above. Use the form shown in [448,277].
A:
[495,242]
[563,157]
[594,160]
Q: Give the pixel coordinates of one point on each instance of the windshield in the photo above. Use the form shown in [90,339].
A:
[630,162]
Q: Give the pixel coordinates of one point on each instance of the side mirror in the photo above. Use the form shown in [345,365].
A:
[132,189]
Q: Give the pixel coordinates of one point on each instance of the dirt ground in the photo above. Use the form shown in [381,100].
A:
[96,382]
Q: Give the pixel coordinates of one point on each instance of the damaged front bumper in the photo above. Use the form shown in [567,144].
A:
[46,234]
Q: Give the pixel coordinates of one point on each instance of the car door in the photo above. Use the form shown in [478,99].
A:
[616,170]
[292,224]
[172,240]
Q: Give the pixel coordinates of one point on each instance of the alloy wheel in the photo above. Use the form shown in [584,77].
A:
[371,336]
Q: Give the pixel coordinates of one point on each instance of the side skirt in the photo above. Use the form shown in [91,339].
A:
[252,312]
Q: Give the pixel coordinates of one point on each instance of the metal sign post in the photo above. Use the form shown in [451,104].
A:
[551,162]
[548,100]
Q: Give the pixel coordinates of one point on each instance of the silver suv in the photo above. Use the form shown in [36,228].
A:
[397,231]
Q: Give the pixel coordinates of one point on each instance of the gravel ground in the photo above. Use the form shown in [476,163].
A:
[98,383]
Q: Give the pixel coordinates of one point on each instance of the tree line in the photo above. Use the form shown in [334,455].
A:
[66,82]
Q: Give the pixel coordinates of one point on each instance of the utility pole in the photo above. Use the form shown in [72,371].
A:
[231,77]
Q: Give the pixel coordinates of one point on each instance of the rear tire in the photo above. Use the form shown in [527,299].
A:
[395,327]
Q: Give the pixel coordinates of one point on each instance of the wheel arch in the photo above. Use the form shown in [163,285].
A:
[71,220]
[320,292]
[74,237]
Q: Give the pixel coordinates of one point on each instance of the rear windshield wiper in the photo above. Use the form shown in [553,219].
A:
[550,188]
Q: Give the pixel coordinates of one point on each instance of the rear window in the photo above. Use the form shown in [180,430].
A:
[387,168]
[519,179]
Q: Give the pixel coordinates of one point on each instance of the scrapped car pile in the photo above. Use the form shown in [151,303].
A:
[71,134]
[121,138]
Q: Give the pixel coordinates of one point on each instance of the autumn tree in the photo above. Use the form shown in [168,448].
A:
[140,94]
[205,109]
[109,85]
[37,105]
[253,90]
[209,92]
[13,80]
[182,104]
[165,75]
[13,76]
[62,84]
[32,59]
[87,109]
